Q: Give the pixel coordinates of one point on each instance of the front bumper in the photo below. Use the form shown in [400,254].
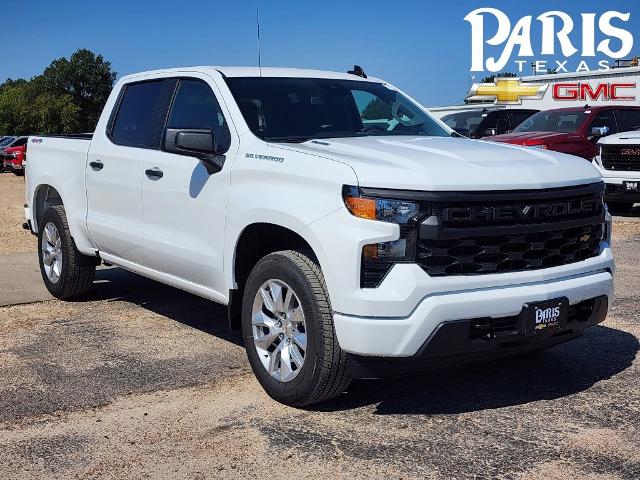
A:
[616,192]
[405,336]
[466,341]
[11,162]
[614,184]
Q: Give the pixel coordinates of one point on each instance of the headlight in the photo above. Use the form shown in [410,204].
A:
[378,258]
[385,210]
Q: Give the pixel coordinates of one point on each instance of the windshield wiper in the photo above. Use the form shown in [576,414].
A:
[287,139]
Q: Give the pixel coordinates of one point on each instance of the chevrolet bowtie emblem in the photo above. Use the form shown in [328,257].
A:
[508,91]
[585,237]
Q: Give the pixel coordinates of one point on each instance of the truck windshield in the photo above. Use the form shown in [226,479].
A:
[564,121]
[280,109]
[465,123]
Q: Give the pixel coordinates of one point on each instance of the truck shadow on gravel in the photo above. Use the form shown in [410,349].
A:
[565,370]
[190,310]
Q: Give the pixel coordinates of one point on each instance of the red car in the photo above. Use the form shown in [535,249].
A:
[14,156]
[572,130]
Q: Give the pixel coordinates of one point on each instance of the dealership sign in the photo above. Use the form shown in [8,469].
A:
[556,27]
[511,91]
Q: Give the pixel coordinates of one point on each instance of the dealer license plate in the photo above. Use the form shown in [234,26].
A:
[543,317]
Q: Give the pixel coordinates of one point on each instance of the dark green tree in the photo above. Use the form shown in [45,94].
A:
[86,78]
[68,97]
[491,78]
[377,109]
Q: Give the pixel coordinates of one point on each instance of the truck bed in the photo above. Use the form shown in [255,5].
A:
[59,162]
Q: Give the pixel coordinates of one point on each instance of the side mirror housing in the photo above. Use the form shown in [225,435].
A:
[199,143]
[599,131]
[490,132]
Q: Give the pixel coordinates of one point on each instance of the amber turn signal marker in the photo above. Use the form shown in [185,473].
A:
[361,207]
[370,251]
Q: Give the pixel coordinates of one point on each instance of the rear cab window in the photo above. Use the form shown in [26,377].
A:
[138,114]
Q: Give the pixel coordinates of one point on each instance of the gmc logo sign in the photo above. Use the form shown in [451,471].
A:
[630,151]
[584,91]
[521,212]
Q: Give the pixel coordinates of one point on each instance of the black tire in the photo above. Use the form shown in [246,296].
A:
[78,270]
[19,173]
[324,374]
[619,207]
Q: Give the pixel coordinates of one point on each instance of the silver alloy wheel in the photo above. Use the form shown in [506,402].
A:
[52,252]
[279,330]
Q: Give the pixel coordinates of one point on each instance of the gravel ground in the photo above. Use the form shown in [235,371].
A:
[13,239]
[144,381]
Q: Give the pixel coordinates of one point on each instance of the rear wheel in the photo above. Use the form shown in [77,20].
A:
[619,207]
[66,272]
[287,324]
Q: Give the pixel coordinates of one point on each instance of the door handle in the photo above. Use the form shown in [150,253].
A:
[96,165]
[154,173]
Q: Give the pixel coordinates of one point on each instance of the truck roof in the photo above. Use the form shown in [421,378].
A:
[257,72]
[595,108]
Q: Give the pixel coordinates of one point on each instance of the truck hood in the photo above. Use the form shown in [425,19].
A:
[451,164]
[623,138]
[531,138]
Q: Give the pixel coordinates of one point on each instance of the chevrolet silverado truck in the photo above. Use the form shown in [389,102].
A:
[575,131]
[345,245]
[619,164]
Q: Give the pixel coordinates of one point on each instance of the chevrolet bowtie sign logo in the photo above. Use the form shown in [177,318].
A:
[508,91]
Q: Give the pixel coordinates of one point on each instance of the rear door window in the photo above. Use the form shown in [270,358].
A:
[628,120]
[139,115]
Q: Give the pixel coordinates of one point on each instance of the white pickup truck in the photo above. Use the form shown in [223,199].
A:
[350,233]
[619,164]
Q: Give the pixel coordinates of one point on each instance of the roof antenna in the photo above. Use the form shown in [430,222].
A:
[258,29]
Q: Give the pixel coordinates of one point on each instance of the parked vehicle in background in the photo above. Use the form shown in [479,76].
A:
[486,122]
[14,142]
[619,163]
[7,142]
[13,158]
[342,249]
[572,130]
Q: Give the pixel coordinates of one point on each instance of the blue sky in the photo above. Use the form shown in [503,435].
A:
[421,46]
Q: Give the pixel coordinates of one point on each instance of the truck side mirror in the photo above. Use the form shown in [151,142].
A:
[490,132]
[199,143]
[599,131]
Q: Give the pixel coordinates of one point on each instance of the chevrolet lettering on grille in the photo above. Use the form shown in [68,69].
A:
[521,212]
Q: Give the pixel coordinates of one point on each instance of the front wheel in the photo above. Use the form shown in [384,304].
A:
[66,272]
[287,325]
